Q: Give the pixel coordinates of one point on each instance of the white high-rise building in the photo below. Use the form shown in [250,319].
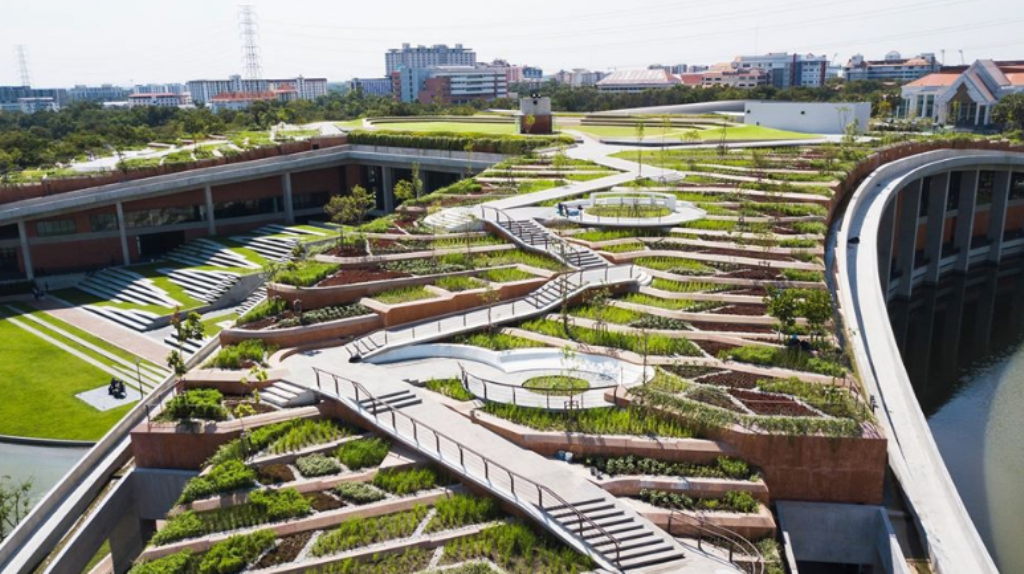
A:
[305,88]
[427,57]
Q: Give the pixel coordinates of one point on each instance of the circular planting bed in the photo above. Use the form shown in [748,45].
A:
[628,210]
[562,385]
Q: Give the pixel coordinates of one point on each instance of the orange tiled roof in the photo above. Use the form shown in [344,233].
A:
[935,80]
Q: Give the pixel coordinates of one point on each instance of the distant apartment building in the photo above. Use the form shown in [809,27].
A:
[532,75]
[963,95]
[450,84]
[427,56]
[785,70]
[166,100]
[674,68]
[578,77]
[242,100]
[305,88]
[632,81]
[103,93]
[516,74]
[160,89]
[9,96]
[893,68]
[372,86]
[33,105]
[744,78]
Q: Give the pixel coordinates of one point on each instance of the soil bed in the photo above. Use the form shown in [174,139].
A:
[322,501]
[348,251]
[287,550]
[713,347]
[731,327]
[714,398]
[733,379]
[772,405]
[274,474]
[353,276]
[751,310]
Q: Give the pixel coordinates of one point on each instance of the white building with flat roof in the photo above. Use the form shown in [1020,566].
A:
[427,57]
[305,88]
[786,70]
[894,67]
[167,100]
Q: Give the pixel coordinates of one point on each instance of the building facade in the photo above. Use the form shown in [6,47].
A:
[578,77]
[963,96]
[158,100]
[242,100]
[427,56]
[305,88]
[372,86]
[632,81]
[893,68]
[9,95]
[785,70]
[103,93]
[741,78]
[450,84]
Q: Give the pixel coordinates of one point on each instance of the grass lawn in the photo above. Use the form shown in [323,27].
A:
[45,406]
[560,385]
[457,127]
[354,124]
[650,131]
[745,132]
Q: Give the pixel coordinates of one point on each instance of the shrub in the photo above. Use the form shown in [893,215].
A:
[359,532]
[403,482]
[176,563]
[785,358]
[358,493]
[451,388]
[202,404]
[828,399]
[305,274]
[810,227]
[280,504]
[224,477]
[180,527]
[507,275]
[801,275]
[459,283]
[266,308]
[237,552]
[363,453]
[317,465]
[326,314]
[241,355]
[734,501]
[653,345]
[305,433]
[496,341]
[456,141]
[723,467]
[462,510]
[634,421]
[517,548]
[404,295]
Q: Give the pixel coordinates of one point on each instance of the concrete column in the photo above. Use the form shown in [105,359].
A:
[26,252]
[886,229]
[211,223]
[938,193]
[388,188]
[965,220]
[997,215]
[977,115]
[988,115]
[286,185]
[908,236]
[126,254]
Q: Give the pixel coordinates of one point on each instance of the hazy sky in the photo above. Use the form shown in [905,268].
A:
[126,41]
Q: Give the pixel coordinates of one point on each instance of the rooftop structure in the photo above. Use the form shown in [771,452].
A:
[739,78]
[166,100]
[629,81]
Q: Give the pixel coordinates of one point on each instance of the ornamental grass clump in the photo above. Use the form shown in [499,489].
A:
[358,493]
[359,532]
[462,510]
[451,388]
[202,404]
[317,465]
[363,453]
[404,482]
[224,477]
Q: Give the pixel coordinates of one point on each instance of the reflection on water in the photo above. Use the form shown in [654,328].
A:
[44,465]
[963,347]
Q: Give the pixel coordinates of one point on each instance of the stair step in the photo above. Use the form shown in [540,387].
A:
[668,555]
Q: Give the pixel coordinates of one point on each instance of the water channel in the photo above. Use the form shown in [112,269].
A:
[963,346]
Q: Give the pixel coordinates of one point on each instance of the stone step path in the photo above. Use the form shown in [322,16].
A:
[531,235]
[204,252]
[257,297]
[125,286]
[207,286]
[134,319]
[285,395]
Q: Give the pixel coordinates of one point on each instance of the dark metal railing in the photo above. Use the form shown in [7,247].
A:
[521,488]
[721,536]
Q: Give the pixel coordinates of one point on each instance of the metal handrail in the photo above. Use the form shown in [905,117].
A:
[466,375]
[705,527]
[541,489]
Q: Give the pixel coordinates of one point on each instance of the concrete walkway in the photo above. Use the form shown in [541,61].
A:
[131,341]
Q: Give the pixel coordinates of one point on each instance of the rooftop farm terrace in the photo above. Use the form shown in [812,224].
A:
[386,445]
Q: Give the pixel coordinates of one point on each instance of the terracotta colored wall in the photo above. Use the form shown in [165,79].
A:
[328,179]
[191,197]
[419,310]
[75,254]
[298,336]
[250,189]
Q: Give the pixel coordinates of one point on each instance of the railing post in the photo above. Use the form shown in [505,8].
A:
[437,442]
[462,457]
[487,471]
[514,397]
[337,390]
[394,420]
[415,433]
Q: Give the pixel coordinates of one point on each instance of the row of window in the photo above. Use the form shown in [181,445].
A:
[986,188]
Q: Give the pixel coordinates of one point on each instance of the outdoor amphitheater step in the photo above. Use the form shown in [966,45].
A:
[207,252]
[121,285]
[131,318]
[202,285]
[190,347]
[257,297]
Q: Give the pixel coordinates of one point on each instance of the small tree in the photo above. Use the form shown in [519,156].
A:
[560,162]
[190,328]
[1009,112]
[783,306]
[817,309]
[349,209]
[489,297]
[404,191]
[417,180]
[529,121]
[15,503]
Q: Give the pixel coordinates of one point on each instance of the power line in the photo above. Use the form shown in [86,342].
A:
[250,45]
[26,79]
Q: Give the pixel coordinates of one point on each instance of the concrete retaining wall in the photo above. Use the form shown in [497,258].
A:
[305,335]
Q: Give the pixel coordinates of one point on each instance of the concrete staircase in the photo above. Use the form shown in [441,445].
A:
[277,242]
[206,286]
[638,547]
[124,286]
[134,319]
[453,220]
[205,252]
[390,401]
[257,297]
[529,234]
[285,395]
[190,347]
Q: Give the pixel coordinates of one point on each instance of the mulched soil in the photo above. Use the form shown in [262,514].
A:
[753,291]
[731,327]
[711,398]
[763,274]
[713,347]
[772,405]
[274,474]
[783,230]
[353,276]
[260,408]
[358,250]
[747,310]
[690,371]
[322,501]
[748,254]
[287,550]
[733,379]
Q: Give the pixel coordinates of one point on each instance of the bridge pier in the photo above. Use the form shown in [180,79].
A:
[938,199]
[910,207]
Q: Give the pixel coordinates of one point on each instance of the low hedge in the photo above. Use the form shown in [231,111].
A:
[457,141]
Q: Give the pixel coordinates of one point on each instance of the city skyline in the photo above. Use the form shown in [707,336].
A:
[314,38]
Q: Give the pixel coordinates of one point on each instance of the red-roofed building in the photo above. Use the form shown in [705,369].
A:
[631,81]
[963,95]
[242,100]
